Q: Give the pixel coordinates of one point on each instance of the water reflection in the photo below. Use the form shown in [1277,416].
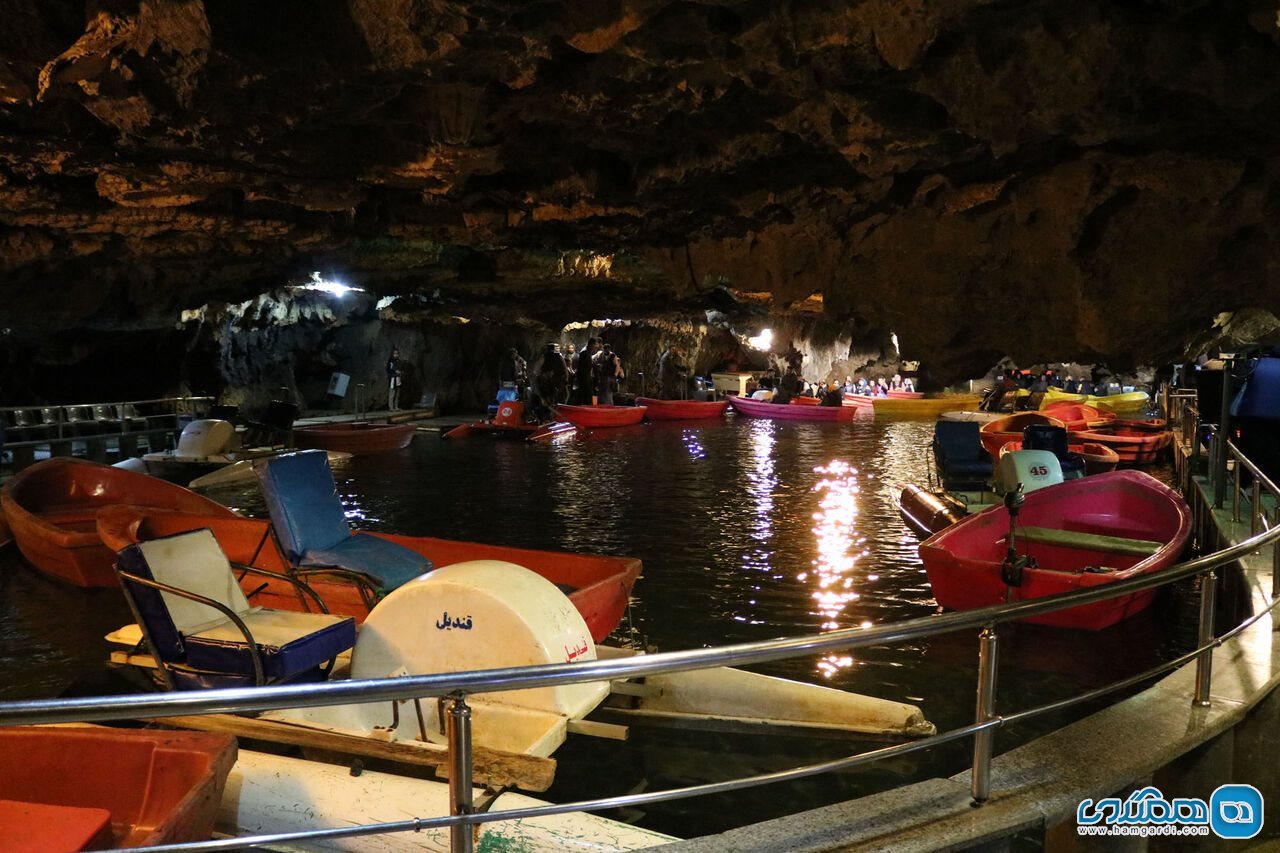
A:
[838,550]
[761,482]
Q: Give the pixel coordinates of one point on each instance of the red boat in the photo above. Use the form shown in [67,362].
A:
[802,400]
[1136,445]
[67,788]
[906,395]
[1098,458]
[598,586]
[860,401]
[355,438]
[50,508]
[1082,533]
[1077,416]
[997,433]
[601,415]
[681,410]
[788,412]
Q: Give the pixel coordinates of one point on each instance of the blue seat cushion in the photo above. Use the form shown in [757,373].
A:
[303,502]
[288,643]
[387,564]
[959,440]
[967,468]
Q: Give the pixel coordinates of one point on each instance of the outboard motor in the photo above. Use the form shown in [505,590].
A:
[1012,567]
[1054,439]
[1027,470]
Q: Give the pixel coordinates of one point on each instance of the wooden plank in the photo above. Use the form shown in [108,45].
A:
[594,728]
[490,766]
[1089,541]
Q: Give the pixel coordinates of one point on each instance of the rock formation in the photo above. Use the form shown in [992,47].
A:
[1038,179]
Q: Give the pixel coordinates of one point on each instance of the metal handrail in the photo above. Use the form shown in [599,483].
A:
[458,685]
[233,700]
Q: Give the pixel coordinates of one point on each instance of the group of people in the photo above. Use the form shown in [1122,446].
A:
[573,377]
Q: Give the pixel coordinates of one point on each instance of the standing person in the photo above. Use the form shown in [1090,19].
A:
[607,369]
[550,382]
[583,376]
[394,377]
[514,370]
[672,374]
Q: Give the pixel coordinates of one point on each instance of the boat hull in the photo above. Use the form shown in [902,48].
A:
[601,417]
[51,508]
[1134,445]
[681,410]
[598,586]
[1098,458]
[516,432]
[356,439]
[963,561]
[789,412]
[159,787]
[923,406]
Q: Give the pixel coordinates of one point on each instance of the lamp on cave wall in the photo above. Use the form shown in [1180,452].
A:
[762,341]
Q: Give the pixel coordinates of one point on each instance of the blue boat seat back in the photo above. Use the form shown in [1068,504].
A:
[204,647]
[960,455]
[508,395]
[1260,396]
[312,528]
[1045,437]
[387,563]
[303,502]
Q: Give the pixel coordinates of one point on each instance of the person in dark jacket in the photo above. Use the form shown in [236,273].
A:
[394,378]
[584,376]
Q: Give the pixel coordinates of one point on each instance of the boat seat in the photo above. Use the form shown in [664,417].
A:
[962,461]
[27,827]
[1089,541]
[310,525]
[174,584]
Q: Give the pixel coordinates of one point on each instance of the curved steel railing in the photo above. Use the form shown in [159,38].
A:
[457,686]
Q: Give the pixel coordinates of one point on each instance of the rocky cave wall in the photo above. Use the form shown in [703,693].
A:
[1047,181]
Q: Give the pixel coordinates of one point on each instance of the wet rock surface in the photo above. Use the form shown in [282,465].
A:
[1049,181]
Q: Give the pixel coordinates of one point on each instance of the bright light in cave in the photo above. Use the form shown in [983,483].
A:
[762,341]
[319,282]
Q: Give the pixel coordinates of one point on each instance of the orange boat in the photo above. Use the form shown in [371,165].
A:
[1078,416]
[601,416]
[906,395]
[355,438]
[1098,458]
[509,423]
[65,788]
[1136,445]
[598,586]
[50,508]
[995,434]
[681,410]
[802,400]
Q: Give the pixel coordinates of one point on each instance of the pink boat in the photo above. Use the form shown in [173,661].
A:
[788,412]
[601,416]
[859,401]
[1082,533]
[681,410]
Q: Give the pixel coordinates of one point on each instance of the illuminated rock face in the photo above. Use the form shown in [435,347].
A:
[1041,179]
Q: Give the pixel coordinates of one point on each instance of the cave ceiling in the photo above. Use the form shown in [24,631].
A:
[1045,179]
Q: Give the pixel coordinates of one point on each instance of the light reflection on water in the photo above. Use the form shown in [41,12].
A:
[748,530]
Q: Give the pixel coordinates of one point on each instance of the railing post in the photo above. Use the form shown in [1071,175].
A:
[983,741]
[1235,489]
[458,724]
[1204,662]
[1255,507]
[1218,464]
[1275,564]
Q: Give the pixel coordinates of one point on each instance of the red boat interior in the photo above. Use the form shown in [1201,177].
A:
[153,787]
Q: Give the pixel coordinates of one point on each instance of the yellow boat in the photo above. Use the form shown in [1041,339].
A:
[926,407]
[1131,403]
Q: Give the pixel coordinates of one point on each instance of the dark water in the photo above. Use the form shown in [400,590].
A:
[748,530]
